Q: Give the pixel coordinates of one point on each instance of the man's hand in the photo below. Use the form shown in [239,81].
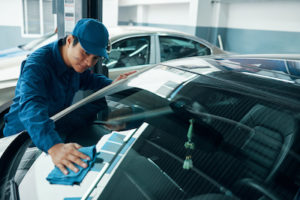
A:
[65,155]
[123,76]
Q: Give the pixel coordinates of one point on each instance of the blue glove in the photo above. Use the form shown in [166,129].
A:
[57,177]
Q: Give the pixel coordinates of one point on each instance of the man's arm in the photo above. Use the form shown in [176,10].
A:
[34,116]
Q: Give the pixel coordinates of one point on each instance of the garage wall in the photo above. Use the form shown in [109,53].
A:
[10,24]
[251,26]
[177,14]
[245,26]
[272,15]
[263,27]
[127,15]
[177,18]
[174,14]
[256,26]
[110,12]
[9,16]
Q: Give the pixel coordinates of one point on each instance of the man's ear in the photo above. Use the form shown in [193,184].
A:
[69,40]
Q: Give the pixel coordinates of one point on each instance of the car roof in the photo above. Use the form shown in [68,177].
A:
[123,31]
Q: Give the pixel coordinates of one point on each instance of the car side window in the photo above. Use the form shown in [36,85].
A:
[129,52]
[175,47]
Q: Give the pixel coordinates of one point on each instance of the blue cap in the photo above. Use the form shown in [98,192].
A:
[92,36]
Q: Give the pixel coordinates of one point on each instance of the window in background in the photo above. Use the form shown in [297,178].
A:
[38,17]
[174,47]
[130,52]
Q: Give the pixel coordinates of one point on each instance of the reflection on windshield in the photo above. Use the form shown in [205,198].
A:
[282,69]
[231,132]
[161,81]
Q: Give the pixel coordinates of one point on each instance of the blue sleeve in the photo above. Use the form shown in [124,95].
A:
[34,107]
[92,81]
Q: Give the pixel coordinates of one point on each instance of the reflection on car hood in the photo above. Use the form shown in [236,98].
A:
[7,53]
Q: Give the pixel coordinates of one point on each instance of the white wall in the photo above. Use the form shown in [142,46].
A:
[10,13]
[128,13]
[175,14]
[110,12]
[168,14]
[150,2]
[271,15]
[171,12]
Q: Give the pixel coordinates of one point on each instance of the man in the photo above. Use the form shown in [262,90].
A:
[48,81]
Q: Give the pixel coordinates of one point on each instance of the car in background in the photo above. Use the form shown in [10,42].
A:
[132,48]
[206,128]
[11,59]
[136,47]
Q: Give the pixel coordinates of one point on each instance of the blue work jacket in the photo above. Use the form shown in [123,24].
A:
[45,87]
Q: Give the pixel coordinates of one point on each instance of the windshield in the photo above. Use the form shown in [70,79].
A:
[235,137]
[188,137]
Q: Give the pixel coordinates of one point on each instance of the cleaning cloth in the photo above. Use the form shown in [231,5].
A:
[57,177]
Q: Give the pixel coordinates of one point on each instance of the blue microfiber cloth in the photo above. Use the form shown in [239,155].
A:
[57,177]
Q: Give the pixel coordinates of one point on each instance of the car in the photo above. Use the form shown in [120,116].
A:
[11,59]
[132,48]
[10,63]
[137,47]
[206,128]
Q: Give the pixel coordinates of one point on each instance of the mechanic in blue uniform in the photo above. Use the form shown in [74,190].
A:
[48,81]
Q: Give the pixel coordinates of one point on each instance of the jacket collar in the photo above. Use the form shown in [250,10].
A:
[59,64]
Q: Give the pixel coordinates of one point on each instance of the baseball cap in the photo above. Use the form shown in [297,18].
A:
[92,36]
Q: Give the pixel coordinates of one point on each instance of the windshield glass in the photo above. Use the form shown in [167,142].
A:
[188,136]
[234,137]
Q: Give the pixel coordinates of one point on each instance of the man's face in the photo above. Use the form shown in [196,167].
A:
[78,58]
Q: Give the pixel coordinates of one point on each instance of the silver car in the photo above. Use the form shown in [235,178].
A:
[134,48]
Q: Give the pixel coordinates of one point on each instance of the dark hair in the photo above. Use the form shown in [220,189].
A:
[75,41]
